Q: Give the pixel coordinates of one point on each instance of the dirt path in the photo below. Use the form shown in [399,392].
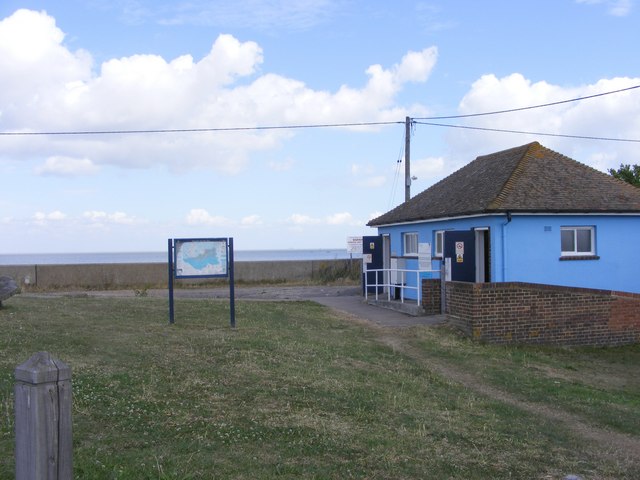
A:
[624,448]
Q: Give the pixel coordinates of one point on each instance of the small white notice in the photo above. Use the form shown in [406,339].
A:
[354,245]
[459,252]
[424,256]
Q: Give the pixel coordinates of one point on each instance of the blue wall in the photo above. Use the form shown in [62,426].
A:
[527,249]
[533,252]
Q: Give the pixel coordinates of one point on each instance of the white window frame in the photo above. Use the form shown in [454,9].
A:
[575,252]
[410,244]
[438,252]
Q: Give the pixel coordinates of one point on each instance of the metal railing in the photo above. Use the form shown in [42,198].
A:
[382,280]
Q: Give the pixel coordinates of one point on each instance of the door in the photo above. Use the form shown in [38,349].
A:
[460,247]
[386,259]
[372,259]
[483,268]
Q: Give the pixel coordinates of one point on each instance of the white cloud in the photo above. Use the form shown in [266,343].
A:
[300,220]
[67,167]
[41,218]
[199,216]
[343,218]
[428,168]
[612,116]
[251,221]
[617,8]
[100,217]
[44,86]
[416,66]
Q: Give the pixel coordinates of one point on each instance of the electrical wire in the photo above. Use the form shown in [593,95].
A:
[202,130]
[531,107]
[356,124]
[541,134]
[396,177]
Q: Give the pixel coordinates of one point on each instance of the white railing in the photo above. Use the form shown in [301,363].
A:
[382,279]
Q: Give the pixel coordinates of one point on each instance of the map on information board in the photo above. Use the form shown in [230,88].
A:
[201,258]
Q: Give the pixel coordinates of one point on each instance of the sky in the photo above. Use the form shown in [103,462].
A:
[171,93]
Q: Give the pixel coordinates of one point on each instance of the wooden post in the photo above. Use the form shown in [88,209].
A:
[43,419]
[407,159]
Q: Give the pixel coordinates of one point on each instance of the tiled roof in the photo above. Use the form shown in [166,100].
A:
[530,178]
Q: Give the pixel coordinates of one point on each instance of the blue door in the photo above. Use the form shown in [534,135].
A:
[372,250]
[460,247]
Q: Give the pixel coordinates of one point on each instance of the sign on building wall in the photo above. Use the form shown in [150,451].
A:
[424,256]
[459,252]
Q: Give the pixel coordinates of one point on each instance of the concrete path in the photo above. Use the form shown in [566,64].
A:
[355,305]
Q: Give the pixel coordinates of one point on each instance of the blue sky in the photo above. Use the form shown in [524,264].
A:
[104,65]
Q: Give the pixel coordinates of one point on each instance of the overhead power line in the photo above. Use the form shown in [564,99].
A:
[541,134]
[201,130]
[531,107]
[354,124]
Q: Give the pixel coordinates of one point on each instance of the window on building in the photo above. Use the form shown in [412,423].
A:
[438,251]
[575,241]
[410,243]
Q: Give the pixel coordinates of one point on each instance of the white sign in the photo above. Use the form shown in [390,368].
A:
[459,248]
[354,245]
[424,256]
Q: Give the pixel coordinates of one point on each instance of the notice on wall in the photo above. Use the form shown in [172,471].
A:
[459,252]
[424,256]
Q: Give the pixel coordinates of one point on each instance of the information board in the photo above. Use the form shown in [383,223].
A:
[201,258]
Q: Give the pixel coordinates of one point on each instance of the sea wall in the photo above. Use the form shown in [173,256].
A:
[140,275]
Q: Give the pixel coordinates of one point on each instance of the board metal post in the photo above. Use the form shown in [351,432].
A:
[232,296]
[170,263]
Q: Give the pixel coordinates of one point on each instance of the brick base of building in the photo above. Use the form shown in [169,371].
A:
[516,312]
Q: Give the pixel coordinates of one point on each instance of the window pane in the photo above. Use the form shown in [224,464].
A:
[439,236]
[566,240]
[584,240]
[413,243]
[410,243]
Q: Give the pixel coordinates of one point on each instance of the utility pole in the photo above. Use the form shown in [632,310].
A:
[407,159]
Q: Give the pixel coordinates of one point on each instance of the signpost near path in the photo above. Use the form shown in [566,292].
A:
[201,258]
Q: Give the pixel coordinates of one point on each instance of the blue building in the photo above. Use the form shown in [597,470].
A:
[527,214]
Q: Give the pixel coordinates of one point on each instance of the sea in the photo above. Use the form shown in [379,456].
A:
[161,257]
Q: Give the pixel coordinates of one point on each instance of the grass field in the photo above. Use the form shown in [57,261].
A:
[298,391]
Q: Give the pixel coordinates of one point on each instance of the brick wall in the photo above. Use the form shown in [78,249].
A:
[544,314]
[431,296]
